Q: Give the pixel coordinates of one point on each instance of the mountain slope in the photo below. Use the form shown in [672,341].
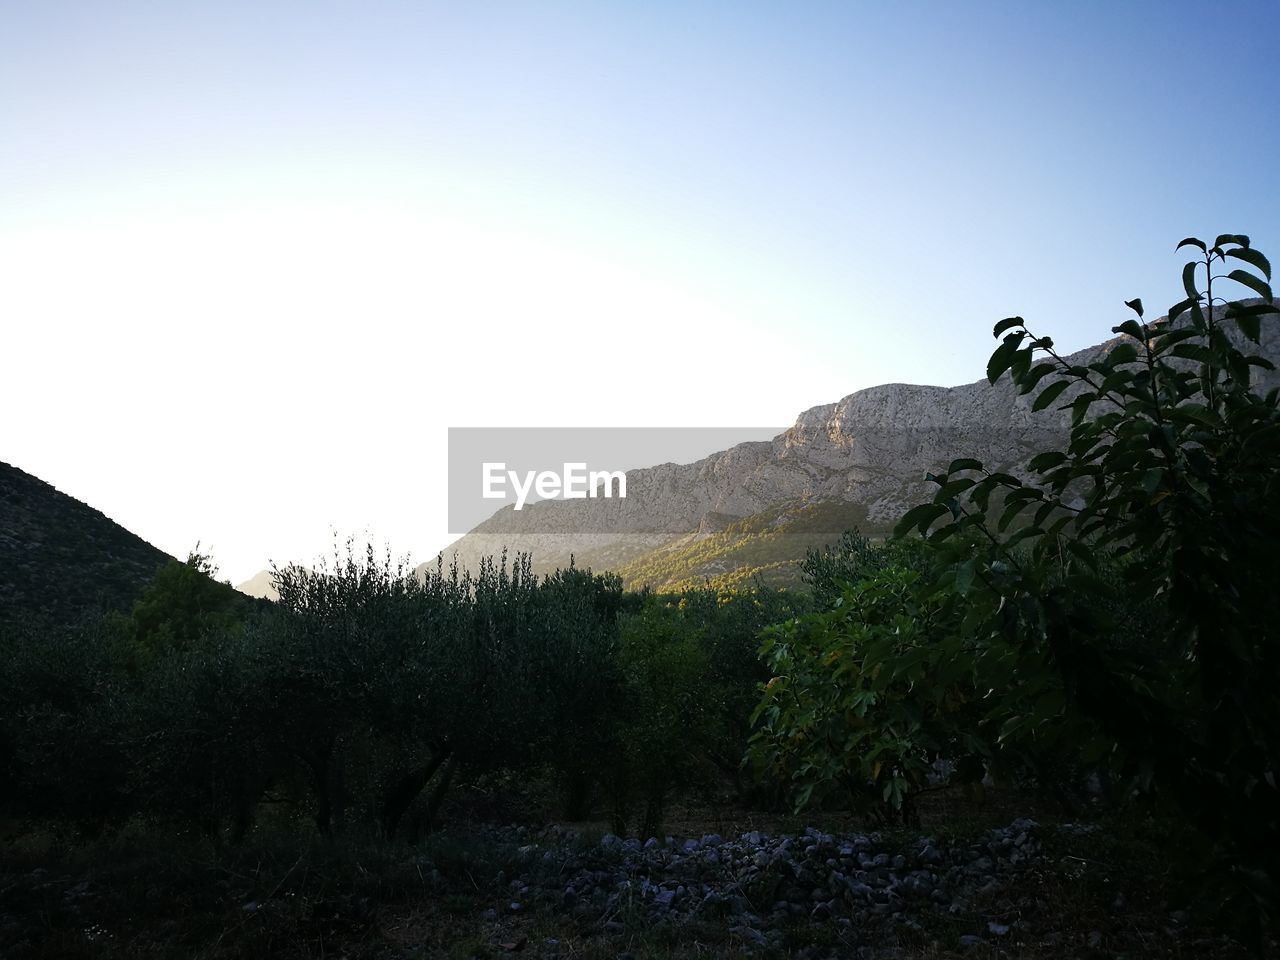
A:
[756,507]
[261,585]
[61,560]
[763,548]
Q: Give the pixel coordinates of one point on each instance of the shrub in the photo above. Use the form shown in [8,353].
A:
[868,696]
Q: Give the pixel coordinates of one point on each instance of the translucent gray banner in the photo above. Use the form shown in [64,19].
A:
[586,480]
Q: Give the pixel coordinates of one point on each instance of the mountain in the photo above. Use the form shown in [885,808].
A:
[751,512]
[261,584]
[61,560]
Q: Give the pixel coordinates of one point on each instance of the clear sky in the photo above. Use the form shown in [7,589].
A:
[256,257]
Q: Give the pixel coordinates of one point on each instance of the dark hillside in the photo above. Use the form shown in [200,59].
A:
[60,559]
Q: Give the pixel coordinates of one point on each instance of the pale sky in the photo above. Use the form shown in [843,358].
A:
[256,258]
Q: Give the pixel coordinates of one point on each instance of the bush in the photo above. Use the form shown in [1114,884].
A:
[870,696]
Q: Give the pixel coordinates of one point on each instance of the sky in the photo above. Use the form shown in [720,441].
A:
[257,258]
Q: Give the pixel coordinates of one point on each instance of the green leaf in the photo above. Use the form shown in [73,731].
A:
[1004,479]
[1021,365]
[954,488]
[1238,238]
[1080,406]
[1050,394]
[1005,324]
[1047,460]
[919,518]
[1003,356]
[1115,381]
[1011,510]
[1253,257]
[1024,534]
[1124,353]
[1166,341]
[1197,315]
[1035,375]
[1256,309]
[802,799]
[1131,327]
[1193,351]
[1082,553]
[1023,494]
[1250,325]
[1151,479]
[1135,305]
[1249,280]
[1043,512]
[965,463]
[1189,280]
[1240,374]
[1192,242]
[1195,413]
[1181,307]
[964,577]
[981,496]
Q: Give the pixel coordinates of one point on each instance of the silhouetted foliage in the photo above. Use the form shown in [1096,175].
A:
[1113,607]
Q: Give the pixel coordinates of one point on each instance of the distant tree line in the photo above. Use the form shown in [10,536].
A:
[356,701]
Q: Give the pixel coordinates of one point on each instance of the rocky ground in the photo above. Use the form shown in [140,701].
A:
[759,886]
[1020,890]
[810,895]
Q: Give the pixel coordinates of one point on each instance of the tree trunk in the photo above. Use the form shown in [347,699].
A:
[437,795]
[324,814]
[318,763]
[338,788]
[578,795]
[406,790]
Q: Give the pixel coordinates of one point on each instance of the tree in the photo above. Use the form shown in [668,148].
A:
[1165,502]
[184,603]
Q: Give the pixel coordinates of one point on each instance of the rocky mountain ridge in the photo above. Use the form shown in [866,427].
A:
[869,451]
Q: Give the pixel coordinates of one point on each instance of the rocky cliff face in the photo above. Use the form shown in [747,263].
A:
[871,449]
